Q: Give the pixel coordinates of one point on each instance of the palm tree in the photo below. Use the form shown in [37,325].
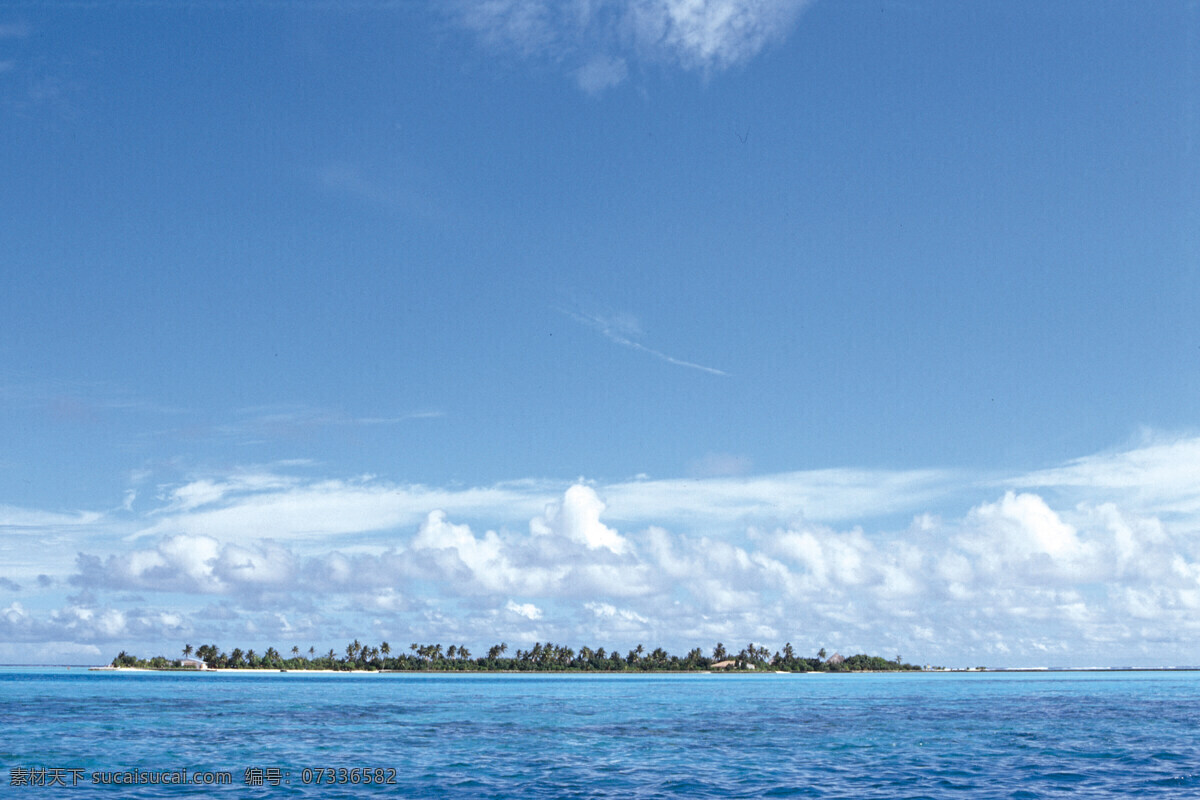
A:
[207,653]
[295,650]
[386,649]
[187,650]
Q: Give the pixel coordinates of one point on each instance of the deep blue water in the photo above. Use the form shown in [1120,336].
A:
[1079,735]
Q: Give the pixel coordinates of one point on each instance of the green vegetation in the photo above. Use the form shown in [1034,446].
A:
[546,657]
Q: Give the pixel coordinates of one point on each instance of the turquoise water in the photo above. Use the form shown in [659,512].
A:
[1090,735]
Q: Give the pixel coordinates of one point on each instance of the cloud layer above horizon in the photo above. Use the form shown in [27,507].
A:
[1094,560]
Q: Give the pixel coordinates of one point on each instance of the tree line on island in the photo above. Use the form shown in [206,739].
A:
[541,657]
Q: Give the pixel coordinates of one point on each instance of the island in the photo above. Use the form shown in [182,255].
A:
[548,657]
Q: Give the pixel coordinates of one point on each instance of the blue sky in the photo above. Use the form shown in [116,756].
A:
[869,326]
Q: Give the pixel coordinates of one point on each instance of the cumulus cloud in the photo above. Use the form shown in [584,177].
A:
[577,518]
[604,35]
[1012,575]
[526,610]
[607,611]
[196,564]
[81,623]
[485,564]
[1012,578]
[1021,535]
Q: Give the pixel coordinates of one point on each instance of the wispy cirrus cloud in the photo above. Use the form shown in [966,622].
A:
[598,40]
[15,520]
[294,417]
[266,423]
[623,330]
[1156,476]
[76,400]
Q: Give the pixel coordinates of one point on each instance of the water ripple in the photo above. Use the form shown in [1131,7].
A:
[918,736]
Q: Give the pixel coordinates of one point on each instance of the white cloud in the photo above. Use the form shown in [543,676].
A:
[16,520]
[205,492]
[1012,579]
[1021,534]
[275,506]
[526,610]
[623,329]
[485,564]
[287,509]
[827,495]
[1157,477]
[1014,575]
[73,627]
[600,73]
[699,35]
[711,34]
[607,611]
[197,564]
[577,518]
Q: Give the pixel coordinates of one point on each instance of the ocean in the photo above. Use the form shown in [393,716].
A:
[276,735]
